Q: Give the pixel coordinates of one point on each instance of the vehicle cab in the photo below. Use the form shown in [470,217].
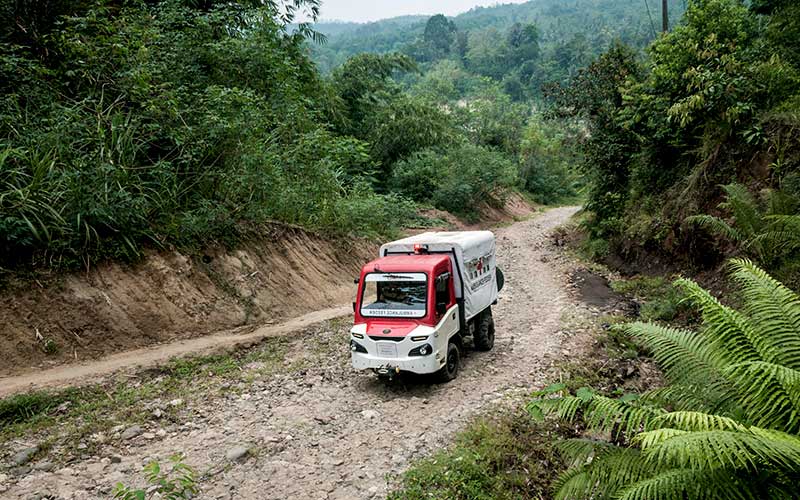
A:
[405,314]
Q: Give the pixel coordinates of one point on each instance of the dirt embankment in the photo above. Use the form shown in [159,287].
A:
[169,297]
[172,296]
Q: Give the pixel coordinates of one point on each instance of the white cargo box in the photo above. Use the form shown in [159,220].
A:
[473,256]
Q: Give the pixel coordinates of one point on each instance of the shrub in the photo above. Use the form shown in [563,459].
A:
[768,230]
[500,457]
[727,424]
[546,164]
[177,484]
[458,179]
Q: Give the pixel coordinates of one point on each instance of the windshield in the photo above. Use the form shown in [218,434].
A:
[395,295]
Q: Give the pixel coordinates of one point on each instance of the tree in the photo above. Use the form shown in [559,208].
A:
[439,35]
[523,43]
[486,56]
[404,125]
[365,81]
[595,94]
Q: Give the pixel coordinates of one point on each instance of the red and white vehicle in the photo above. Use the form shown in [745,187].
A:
[418,300]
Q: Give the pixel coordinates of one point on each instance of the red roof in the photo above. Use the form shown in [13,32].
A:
[406,263]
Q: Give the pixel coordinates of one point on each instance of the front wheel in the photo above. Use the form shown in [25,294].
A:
[450,369]
[484,333]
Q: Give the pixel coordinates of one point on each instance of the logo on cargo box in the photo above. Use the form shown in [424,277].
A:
[479,269]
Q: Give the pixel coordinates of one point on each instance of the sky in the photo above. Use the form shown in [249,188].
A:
[372,10]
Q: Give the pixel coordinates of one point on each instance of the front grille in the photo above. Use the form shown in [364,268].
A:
[393,339]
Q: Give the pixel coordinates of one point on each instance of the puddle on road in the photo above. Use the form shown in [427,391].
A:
[594,290]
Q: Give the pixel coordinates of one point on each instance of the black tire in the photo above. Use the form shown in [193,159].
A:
[450,369]
[484,332]
[501,278]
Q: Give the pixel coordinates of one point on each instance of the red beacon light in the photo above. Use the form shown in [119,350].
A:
[418,248]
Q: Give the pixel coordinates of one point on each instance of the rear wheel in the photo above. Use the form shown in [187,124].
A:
[450,369]
[484,332]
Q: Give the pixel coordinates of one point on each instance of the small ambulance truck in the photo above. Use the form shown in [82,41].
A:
[420,298]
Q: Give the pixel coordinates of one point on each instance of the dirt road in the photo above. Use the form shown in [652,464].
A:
[327,432]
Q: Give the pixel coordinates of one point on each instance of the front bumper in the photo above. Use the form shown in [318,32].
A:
[415,364]
[392,355]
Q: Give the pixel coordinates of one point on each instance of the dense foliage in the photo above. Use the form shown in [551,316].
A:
[716,102]
[165,122]
[727,424]
[133,123]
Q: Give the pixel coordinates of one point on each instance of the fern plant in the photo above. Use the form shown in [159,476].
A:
[766,233]
[725,426]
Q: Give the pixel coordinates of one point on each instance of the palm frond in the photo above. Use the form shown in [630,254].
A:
[776,311]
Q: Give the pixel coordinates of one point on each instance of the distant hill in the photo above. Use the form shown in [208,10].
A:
[599,21]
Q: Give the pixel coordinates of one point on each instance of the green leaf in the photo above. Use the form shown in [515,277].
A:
[585,394]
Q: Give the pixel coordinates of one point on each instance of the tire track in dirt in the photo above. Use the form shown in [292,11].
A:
[327,432]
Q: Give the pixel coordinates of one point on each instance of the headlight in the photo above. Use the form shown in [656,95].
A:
[356,347]
[422,350]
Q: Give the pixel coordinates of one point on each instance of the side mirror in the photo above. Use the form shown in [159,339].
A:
[441,308]
[355,281]
[354,307]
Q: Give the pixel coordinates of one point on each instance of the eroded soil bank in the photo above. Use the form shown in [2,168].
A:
[171,296]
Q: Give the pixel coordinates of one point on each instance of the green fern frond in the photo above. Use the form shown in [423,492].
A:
[620,417]
[744,208]
[574,484]
[769,393]
[719,450]
[717,399]
[611,469]
[776,311]
[697,421]
[689,484]
[684,355]
[579,450]
[567,407]
[715,225]
[779,449]
[771,245]
[617,469]
[727,329]
[789,222]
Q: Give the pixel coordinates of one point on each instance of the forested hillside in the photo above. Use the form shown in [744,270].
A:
[570,33]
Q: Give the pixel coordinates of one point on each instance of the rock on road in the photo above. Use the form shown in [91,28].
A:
[333,433]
